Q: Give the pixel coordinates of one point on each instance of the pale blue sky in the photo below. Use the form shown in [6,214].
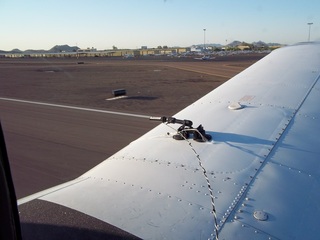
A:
[37,24]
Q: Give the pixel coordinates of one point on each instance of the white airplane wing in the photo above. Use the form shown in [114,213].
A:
[257,178]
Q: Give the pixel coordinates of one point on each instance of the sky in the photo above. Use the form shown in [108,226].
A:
[102,24]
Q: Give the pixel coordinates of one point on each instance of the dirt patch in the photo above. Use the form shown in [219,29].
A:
[153,87]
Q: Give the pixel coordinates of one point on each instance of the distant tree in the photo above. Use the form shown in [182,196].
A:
[165,47]
[159,47]
[114,47]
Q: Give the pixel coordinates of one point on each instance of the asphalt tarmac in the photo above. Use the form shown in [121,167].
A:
[51,144]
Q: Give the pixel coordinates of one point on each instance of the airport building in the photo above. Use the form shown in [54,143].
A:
[104,53]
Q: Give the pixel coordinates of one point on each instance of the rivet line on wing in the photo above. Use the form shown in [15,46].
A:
[216,228]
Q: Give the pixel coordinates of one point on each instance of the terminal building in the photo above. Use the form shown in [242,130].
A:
[144,51]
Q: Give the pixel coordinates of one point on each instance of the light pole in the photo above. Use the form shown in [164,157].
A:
[310,23]
[204,39]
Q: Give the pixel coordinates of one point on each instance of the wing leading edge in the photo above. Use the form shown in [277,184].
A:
[262,163]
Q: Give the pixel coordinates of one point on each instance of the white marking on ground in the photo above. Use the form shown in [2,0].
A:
[75,108]
[116,98]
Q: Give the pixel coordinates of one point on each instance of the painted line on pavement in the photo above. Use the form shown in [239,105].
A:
[75,108]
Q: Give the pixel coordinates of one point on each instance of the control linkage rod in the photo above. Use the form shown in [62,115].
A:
[186,129]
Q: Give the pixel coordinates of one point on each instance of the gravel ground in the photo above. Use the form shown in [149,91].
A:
[154,86]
